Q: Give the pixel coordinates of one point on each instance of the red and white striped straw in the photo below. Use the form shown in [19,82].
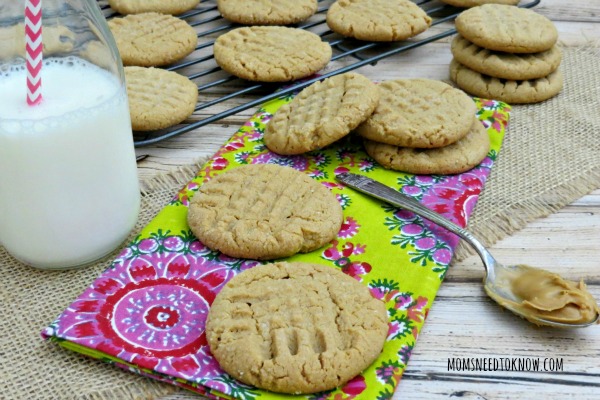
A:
[33,50]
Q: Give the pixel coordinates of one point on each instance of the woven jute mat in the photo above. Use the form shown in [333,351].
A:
[550,158]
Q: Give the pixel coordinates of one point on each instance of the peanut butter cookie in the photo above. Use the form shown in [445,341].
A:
[264,212]
[453,159]
[507,28]
[271,53]
[267,12]
[158,98]
[295,327]
[419,113]
[57,39]
[515,92]
[321,114]
[505,65]
[152,39]
[377,20]
[173,7]
[475,3]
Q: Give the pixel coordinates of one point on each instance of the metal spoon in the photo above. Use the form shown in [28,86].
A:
[495,272]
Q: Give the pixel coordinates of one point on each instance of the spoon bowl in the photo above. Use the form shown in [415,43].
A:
[496,288]
[498,278]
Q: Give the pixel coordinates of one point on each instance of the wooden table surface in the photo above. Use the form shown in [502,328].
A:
[463,322]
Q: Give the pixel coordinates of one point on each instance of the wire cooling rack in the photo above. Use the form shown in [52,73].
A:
[222,95]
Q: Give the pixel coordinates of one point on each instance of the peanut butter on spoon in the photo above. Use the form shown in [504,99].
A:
[537,295]
[546,295]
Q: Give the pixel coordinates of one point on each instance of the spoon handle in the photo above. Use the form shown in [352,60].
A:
[389,195]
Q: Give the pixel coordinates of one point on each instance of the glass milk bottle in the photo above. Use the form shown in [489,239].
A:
[69,190]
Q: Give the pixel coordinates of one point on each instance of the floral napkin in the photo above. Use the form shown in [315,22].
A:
[146,313]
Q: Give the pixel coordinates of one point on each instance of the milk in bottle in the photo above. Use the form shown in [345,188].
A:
[69,190]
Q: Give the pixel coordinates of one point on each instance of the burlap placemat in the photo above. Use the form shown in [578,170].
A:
[550,158]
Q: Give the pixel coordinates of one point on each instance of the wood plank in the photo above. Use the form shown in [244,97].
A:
[463,322]
[567,242]
[574,11]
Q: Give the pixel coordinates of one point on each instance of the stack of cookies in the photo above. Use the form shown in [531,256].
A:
[423,126]
[506,53]
[419,126]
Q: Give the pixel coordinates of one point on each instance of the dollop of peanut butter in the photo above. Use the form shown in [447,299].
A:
[546,295]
